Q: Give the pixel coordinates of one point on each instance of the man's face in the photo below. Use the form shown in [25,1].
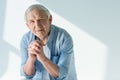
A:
[39,23]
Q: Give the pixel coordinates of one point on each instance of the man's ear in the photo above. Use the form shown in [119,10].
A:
[50,19]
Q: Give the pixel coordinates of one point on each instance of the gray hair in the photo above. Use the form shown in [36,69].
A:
[38,6]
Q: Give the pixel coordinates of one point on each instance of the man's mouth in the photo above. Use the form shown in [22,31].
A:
[40,30]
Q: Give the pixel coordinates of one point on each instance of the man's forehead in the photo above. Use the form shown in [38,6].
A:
[37,13]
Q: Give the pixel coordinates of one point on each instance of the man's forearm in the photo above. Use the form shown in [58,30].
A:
[29,67]
[52,68]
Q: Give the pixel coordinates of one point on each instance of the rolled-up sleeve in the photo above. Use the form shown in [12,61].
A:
[24,56]
[66,53]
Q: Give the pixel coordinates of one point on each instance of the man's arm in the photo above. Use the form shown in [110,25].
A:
[29,67]
[36,48]
[52,68]
[27,59]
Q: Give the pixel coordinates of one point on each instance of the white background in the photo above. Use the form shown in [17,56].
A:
[93,24]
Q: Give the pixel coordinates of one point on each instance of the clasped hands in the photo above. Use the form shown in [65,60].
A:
[35,50]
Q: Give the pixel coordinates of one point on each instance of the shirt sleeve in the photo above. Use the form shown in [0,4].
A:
[66,53]
[24,56]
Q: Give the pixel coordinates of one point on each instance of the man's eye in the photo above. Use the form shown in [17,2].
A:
[31,21]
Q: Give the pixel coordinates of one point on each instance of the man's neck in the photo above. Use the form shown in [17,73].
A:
[44,40]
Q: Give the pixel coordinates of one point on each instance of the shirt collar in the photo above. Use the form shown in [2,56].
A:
[51,35]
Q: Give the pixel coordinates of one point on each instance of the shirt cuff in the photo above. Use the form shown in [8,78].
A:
[63,71]
[23,74]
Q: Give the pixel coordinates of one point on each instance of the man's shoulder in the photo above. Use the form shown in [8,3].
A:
[28,35]
[59,30]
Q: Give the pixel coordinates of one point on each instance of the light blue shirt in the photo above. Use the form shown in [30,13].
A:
[59,49]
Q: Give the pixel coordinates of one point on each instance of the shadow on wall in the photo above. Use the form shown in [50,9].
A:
[3,52]
[5,47]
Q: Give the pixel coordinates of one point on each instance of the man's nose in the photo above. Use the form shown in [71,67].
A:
[38,24]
